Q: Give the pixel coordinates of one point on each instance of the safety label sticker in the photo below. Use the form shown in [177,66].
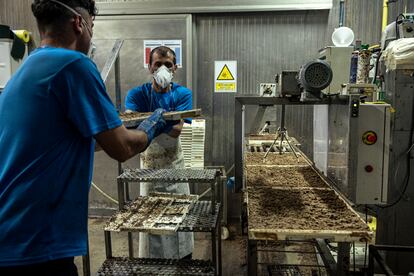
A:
[225,76]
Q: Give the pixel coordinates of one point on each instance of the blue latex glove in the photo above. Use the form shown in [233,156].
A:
[154,125]
[169,126]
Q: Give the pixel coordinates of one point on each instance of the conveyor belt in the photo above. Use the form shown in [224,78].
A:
[169,175]
[127,266]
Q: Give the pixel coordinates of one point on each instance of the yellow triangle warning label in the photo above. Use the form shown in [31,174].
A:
[225,74]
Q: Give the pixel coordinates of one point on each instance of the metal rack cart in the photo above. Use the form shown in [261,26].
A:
[203,216]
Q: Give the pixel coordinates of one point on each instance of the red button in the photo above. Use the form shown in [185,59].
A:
[372,138]
[369,168]
[369,137]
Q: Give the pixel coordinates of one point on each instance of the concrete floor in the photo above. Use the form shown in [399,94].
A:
[233,251]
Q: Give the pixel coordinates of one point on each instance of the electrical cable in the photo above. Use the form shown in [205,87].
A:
[104,194]
[407,177]
[376,67]
[397,30]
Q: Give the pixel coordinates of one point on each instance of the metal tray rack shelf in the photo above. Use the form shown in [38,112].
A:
[203,216]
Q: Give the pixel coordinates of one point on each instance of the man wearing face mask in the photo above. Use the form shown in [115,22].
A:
[52,112]
[165,151]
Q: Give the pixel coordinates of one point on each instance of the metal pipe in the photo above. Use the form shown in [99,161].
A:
[384,14]
[341,13]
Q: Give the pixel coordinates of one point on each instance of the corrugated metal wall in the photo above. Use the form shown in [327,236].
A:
[265,44]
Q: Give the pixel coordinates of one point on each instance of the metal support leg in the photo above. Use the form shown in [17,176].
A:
[86,263]
[130,245]
[214,250]
[108,244]
[371,261]
[121,194]
[290,145]
[214,194]
[343,262]
[252,258]
[219,244]
[238,145]
[327,258]
[271,146]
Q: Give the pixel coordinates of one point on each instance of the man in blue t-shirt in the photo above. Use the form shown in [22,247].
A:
[51,113]
[165,151]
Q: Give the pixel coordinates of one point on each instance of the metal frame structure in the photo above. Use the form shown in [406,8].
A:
[112,59]
[239,123]
[341,267]
[200,6]
[196,214]
[375,256]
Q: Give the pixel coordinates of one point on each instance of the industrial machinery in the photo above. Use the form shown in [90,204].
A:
[307,83]
[358,151]
[339,60]
[350,137]
[403,27]
[12,51]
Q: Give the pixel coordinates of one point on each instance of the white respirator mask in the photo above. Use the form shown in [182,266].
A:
[163,76]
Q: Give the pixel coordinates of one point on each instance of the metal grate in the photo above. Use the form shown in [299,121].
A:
[283,270]
[125,266]
[171,175]
[142,216]
[200,218]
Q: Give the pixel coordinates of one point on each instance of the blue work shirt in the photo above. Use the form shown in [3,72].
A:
[50,111]
[144,99]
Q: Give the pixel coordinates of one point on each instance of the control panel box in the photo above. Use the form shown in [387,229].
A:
[373,153]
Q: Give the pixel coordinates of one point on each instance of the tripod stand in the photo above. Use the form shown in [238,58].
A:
[283,135]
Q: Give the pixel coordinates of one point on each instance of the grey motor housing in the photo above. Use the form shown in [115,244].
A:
[315,76]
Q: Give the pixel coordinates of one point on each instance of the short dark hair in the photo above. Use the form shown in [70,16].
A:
[163,52]
[50,13]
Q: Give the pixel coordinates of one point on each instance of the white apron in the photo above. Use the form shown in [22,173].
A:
[163,153]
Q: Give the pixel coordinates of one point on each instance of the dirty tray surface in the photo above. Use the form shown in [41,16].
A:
[126,266]
[172,175]
[132,119]
[165,214]
[277,213]
[274,159]
[160,214]
[283,177]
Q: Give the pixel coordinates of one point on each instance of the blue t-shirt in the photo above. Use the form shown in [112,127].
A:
[144,99]
[50,111]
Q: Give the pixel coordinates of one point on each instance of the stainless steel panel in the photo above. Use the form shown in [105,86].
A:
[372,187]
[133,30]
[201,6]
[338,150]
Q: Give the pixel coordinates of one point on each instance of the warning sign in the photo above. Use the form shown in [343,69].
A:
[225,76]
